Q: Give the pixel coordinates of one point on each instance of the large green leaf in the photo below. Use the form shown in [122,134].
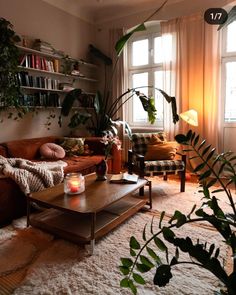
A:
[139,279]
[123,40]
[126,262]
[153,255]
[160,244]
[78,119]
[98,102]
[69,101]
[146,261]
[141,27]
[142,267]
[134,244]
[231,17]
[124,283]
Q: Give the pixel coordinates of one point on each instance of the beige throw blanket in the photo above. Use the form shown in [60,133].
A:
[30,176]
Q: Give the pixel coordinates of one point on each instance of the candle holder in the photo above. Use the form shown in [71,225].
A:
[74,183]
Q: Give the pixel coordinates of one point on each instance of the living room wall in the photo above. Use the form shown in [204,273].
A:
[38,19]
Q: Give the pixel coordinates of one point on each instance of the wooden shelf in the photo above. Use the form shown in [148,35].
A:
[55,56]
[25,69]
[43,89]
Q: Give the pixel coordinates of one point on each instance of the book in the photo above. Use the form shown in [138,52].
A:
[124,178]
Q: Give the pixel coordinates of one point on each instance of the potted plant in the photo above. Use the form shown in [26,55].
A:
[9,59]
[103,115]
[201,253]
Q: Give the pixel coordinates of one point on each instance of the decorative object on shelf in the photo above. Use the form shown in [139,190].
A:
[74,183]
[105,111]
[101,170]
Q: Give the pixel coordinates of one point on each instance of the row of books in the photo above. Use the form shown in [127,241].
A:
[40,99]
[38,62]
[40,82]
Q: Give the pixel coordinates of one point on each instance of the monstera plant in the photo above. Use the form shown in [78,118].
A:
[145,254]
[103,115]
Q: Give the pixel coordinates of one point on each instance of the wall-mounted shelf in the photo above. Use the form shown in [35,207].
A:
[57,74]
[56,56]
[43,89]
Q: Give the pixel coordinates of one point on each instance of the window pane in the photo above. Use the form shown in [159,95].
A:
[140,53]
[158,96]
[163,48]
[231,44]
[138,80]
[158,58]
[230,99]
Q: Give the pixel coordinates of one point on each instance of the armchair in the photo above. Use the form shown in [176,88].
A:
[162,162]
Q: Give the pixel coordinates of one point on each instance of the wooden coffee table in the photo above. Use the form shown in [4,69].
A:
[88,216]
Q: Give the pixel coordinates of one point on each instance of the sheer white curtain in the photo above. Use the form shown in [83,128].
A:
[194,74]
[120,79]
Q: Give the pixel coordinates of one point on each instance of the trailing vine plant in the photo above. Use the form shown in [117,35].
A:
[9,86]
[211,169]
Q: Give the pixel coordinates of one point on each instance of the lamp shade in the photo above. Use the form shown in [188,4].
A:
[190,117]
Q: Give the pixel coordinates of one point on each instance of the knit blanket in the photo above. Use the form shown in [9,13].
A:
[31,176]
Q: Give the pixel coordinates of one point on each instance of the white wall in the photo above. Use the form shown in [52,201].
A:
[65,32]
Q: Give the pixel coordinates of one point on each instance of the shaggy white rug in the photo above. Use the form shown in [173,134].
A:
[55,266]
[65,268]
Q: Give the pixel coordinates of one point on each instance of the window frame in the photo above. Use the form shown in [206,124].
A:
[150,69]
[226,57]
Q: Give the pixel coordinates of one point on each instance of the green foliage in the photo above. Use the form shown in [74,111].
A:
[9,58]
[211,169]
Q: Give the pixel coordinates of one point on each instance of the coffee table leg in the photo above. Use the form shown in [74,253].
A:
[92,241]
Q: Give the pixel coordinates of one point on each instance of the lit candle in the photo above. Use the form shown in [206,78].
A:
[74,183]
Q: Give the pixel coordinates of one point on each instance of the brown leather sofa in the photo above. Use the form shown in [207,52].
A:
[13,200]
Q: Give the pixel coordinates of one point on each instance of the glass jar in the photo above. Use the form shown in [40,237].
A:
[74,183]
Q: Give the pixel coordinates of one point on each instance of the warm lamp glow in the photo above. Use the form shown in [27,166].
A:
[190,117]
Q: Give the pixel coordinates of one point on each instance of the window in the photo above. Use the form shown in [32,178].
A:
[229,73]
[145,62]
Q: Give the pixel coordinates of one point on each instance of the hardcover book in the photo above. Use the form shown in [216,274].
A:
[124,178]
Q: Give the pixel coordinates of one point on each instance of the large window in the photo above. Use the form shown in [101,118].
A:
[145,61]
[229,73]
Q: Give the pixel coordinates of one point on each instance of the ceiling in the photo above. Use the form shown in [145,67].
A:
[98,11]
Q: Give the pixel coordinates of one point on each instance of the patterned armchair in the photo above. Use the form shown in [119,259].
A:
[157,163]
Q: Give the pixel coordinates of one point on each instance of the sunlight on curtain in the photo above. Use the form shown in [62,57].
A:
[120,80]
[194,74]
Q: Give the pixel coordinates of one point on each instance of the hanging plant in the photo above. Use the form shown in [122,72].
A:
[9,86]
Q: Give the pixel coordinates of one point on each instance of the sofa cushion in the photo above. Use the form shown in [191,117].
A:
[73,146]
[27,148]
[161,151]
[141,140]
[52,151]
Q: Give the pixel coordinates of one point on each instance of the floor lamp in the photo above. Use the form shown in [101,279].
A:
[191,117]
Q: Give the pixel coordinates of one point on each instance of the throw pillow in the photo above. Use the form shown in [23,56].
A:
[161,151]
[73,146]
[51,151]
[156,138]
